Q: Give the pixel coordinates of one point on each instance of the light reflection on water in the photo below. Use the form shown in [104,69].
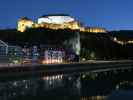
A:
[94,98]
[83,86]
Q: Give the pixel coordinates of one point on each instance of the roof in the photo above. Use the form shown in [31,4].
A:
[24,18]
[47,15]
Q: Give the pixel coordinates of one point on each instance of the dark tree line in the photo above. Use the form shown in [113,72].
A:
[93,45]
[104,47]
[36,36]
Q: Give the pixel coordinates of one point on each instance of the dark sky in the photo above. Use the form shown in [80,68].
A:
[111,14]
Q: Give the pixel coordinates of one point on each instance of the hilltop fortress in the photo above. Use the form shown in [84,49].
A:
[56,21]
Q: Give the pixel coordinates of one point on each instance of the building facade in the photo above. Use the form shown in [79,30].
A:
[9,53]
[53,56]
[24,23]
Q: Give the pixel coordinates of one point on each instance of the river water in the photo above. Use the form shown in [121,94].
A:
[112,85]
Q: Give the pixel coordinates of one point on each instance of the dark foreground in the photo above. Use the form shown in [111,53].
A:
[103,85]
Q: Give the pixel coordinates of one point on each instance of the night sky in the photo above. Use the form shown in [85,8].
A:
[111,14]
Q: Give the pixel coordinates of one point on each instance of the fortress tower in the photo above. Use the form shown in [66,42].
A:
[24,23]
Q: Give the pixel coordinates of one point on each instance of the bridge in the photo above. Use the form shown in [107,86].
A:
[34,70]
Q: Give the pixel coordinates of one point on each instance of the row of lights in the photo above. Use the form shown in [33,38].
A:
[122,42]
[53,77]
[52,61]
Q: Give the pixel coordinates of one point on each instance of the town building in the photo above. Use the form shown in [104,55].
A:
[50,54]
[9,53]
[53,56]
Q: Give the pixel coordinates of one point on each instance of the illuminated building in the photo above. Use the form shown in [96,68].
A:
[56,21]
[3,48]
[9,52]
[53,56]
[24,23]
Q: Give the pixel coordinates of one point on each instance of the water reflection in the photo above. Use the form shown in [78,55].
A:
[78,86]
[94,98]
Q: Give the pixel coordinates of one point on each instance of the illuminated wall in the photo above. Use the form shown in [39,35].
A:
[71,25]
[93,29]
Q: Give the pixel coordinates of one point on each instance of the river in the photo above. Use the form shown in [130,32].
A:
[112,85]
